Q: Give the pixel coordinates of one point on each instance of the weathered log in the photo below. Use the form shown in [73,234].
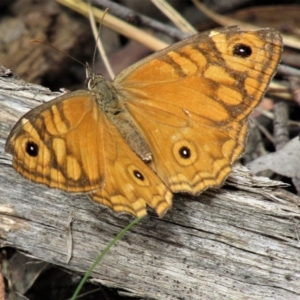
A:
[239,242]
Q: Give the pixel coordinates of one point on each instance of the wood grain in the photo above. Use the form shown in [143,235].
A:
[240,242]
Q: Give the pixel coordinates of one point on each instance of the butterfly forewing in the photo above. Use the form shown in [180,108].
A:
[59,144]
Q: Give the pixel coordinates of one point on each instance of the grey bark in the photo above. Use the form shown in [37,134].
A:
[239,242]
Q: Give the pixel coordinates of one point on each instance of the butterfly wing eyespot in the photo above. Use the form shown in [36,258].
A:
[185,152]
[32,148]
[242,50]
[138,175]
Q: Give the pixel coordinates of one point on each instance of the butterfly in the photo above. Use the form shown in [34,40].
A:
[174,122]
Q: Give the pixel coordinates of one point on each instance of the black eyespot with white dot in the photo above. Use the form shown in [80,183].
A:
[32,149]
[138,175]
[185,152]
[242,50]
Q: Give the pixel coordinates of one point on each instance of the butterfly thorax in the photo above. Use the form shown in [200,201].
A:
[105,94]
[111,103]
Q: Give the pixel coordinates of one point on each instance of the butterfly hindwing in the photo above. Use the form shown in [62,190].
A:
[130,184]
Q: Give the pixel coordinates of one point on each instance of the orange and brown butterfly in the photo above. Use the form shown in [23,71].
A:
[173,122]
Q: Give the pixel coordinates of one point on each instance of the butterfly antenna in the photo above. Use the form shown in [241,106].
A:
[99,43]
[51,46]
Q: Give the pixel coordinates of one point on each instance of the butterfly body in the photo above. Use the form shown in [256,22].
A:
[174,122]
[109,100]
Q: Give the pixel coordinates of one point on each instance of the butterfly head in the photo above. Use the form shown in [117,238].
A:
[92,79]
